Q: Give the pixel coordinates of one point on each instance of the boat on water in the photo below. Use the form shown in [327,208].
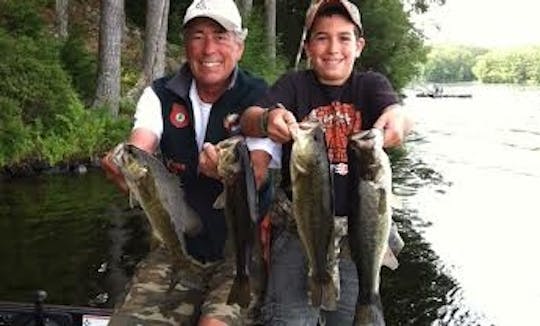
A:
[432,95]
[40,314]
[437,91]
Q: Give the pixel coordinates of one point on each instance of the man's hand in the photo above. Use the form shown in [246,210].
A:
[113,173]
[395,125]
[281,124]
[208,161]
[141,138]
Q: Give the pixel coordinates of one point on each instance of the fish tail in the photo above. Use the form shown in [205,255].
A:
[324,293]
[315,292]
[369,315]
[240,292]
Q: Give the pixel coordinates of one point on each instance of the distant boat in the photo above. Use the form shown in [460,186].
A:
[438,92]
[433,95]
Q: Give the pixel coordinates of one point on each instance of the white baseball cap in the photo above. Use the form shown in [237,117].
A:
[224,12]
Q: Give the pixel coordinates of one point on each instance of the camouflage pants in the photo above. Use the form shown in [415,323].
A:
[155,298]
[151,300]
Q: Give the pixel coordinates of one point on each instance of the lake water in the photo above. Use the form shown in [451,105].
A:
[467,182]
[71,235]
[479,213]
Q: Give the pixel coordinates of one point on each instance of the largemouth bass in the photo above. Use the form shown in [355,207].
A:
[369,222]
[312,204]
[239,201]
[162,198]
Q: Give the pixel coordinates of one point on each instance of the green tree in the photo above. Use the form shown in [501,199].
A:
[393,46]
[451,63]
[22,18]
[255,59]
[518,66]
[34,77]
[15,142]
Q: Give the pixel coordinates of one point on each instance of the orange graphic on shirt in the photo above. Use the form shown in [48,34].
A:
[339,120]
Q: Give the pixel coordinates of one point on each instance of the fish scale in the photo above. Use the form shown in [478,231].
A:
[312,204]
[239,201]
[370,221]
[162,198]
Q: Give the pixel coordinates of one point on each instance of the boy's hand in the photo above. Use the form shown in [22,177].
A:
[395,125]
[282,124]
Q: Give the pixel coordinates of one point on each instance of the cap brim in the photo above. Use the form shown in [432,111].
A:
[314,10]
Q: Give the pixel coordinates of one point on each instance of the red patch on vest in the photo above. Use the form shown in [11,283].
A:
[175,167]
[179,116]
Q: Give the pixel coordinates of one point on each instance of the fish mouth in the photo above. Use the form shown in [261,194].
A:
[368,139]
[124,156]
[308,139]
[134,168]
[302,159]
[228,166]
[118,153]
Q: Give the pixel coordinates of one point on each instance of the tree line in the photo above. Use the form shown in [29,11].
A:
[72,69]
[457,63]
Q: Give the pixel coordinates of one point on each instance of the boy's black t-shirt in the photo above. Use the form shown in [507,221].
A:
[343,111]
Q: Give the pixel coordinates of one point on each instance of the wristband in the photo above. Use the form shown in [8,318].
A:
[264,118]
[264,122]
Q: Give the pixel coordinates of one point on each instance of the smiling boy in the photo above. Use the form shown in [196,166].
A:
[345,102]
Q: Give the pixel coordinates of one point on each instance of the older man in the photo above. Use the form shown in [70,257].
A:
[184,116]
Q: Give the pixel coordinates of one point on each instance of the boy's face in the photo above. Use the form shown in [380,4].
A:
[333,48]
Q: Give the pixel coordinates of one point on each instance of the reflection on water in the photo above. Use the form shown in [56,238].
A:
[72,236]
[468,182]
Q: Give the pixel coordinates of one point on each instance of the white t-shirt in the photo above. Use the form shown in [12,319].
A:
[148,116]
[201,113]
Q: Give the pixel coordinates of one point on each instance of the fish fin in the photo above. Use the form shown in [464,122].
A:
[369,314]
[190,224]
[395,201]
[193,228]
[315,292]
[329,296]
[220,201]
[323,294]
[395,242]
[154,242]
[249,179]
[389,260]
[175,279]
[240,292]
[132,199]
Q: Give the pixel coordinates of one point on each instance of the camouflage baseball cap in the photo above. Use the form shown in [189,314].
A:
[349,7]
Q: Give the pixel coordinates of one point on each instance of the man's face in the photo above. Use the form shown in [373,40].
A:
[212,52]
[333,47]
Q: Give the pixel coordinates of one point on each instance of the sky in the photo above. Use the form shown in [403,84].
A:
[486,23]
